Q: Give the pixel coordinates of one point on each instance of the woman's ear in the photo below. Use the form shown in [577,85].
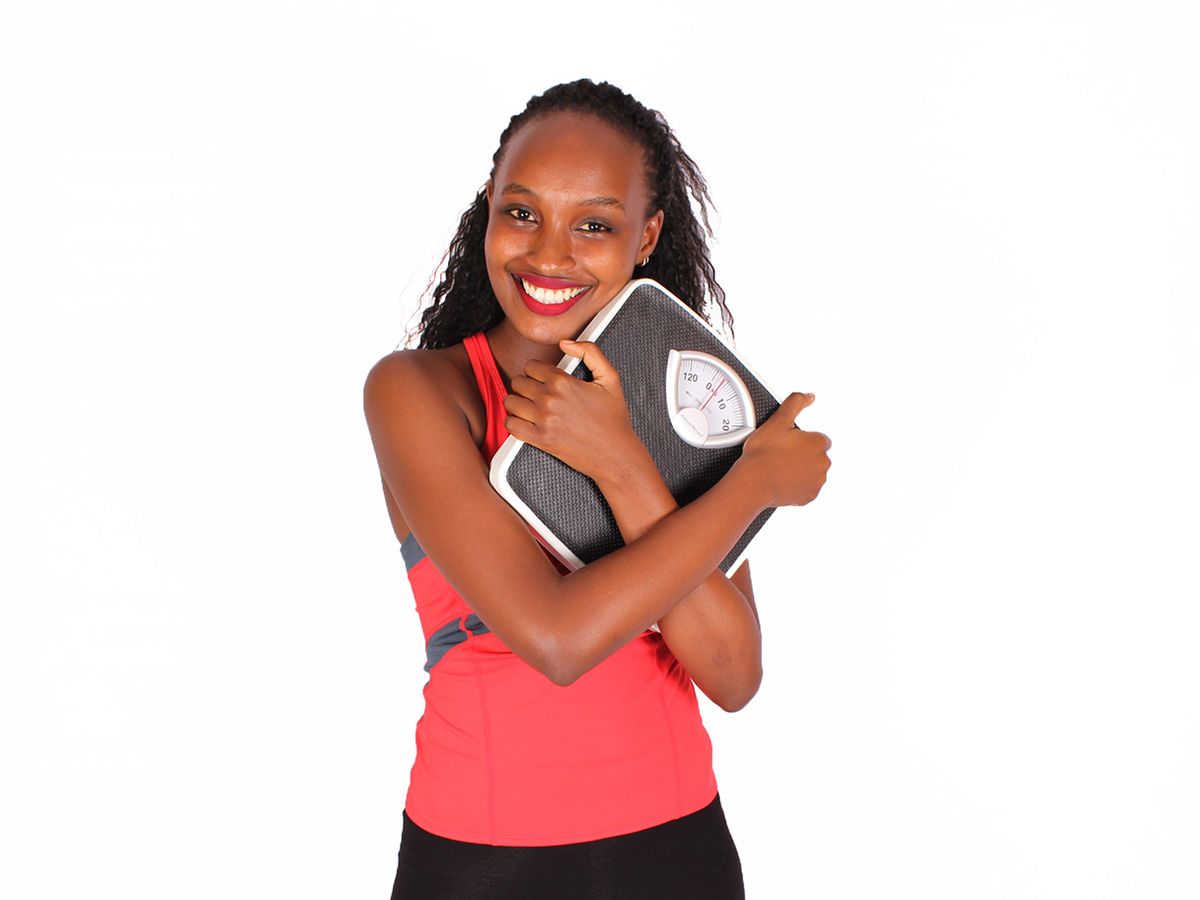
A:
[650,235]
[488,187]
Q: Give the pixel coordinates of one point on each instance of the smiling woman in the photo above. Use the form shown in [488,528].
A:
[561,753]
[572,216]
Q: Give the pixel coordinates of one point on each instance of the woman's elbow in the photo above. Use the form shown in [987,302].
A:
[732,705]
[542,643]
[556,661]
[566,667]
[565,653]
[737,695]
[560,672]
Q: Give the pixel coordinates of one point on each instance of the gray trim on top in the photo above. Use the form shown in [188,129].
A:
[412,552]
[450,636]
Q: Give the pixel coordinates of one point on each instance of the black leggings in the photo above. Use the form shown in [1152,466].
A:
[693,858]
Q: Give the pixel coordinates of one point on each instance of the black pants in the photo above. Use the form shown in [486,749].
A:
[693,858]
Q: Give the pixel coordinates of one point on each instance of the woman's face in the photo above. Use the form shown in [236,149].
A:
[568,221]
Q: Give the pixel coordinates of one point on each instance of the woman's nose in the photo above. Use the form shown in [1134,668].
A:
[553,250]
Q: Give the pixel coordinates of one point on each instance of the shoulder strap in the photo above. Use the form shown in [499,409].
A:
[491,388]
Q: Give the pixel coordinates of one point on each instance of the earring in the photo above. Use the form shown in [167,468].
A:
[644,261]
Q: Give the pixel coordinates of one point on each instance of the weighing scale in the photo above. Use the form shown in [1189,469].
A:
[692,400]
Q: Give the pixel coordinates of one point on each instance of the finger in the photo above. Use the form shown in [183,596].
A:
[592,356]
[818,438]
[790,408]
[527,386]
[540,370]
[521,429]
[522,408]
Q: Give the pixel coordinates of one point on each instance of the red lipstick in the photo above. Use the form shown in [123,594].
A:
[550,284]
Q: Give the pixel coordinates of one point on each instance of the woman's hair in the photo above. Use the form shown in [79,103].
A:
[463,302]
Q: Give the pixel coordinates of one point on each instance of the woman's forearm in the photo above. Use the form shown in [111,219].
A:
[713,631]
[598,608]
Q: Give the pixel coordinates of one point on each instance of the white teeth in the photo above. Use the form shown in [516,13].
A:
[542,295]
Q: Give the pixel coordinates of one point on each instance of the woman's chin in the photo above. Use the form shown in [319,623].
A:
[547,330]
[549,334]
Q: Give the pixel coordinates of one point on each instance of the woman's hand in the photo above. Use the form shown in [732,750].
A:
[583,423]
[789,463]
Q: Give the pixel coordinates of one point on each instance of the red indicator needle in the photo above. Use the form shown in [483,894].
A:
[713,394]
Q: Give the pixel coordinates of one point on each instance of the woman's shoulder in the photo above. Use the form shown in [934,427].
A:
[420,377]
[415,363]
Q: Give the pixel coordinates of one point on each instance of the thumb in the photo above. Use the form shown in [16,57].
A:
[602,370]
[790,408]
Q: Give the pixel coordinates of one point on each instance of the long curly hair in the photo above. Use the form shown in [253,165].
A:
[463,302]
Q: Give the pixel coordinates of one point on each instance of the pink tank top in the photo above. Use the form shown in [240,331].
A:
[507,757]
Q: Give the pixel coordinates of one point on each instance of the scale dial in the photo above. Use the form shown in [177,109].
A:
[708,403]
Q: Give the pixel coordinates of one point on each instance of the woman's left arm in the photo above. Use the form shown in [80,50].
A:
[714,632]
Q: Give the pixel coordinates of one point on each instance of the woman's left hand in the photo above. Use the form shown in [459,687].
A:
[583,423]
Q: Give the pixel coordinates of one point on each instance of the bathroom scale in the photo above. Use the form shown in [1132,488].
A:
[692,400]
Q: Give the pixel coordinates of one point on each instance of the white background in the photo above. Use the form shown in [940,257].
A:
[970,229]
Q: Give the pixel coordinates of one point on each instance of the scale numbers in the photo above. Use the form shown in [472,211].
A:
[708,403]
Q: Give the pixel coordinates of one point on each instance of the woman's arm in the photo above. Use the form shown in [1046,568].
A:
[562,626]
[714,631]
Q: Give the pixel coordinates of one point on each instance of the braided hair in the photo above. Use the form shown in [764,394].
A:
[463,302]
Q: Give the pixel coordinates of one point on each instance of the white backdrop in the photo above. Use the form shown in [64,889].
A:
[970,229]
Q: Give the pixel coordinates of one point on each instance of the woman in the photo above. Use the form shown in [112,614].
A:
[561,753]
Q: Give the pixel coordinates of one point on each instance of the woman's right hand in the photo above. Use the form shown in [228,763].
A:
[789,463]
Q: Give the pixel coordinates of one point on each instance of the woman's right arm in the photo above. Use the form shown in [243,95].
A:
[562,626]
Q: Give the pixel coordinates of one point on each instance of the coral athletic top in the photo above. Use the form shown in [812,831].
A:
[507,757]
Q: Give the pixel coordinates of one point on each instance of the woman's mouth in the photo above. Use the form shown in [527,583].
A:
[548,301]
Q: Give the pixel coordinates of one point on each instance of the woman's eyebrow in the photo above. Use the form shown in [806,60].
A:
[514,187]
[603,201]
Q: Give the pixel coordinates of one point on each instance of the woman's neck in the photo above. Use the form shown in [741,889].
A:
[512,350]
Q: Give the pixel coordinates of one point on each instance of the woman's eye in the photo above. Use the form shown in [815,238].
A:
[520,214]
[595,227]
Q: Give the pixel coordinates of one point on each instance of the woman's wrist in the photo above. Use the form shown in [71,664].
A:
[635,474]
[635,491]
[749,483]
